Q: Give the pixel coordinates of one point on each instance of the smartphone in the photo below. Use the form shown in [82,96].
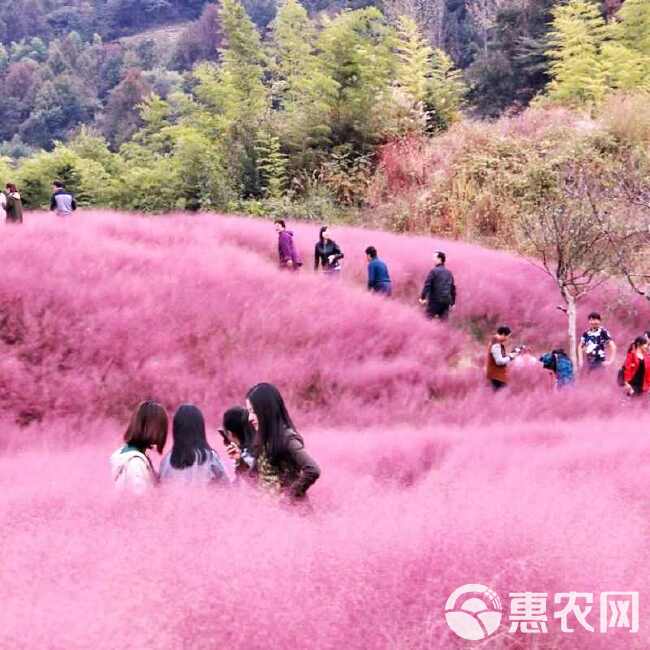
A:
[226,440]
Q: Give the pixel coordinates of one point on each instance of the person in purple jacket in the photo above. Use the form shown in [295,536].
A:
[289,258]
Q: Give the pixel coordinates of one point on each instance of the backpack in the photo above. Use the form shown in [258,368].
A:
[549,361]
[563,369]
[559,363]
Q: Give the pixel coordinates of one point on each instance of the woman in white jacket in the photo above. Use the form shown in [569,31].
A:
[131,467]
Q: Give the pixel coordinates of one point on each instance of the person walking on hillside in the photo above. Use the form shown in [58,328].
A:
[62,201]
[636,369]
[327,253]
[289,258]
[498,358]
[439,291]
[13,204]
[378,276]
[3,206]
[597,346]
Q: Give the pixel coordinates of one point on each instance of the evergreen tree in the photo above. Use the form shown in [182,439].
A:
[413,73]
[634,32]
[445,94]
[577,72]
[301,89]
[233,98]
[272,165]
[244,96]
[628,57]
[356,54]
[624,69]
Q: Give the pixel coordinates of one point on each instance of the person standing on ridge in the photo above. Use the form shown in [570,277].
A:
[439,291]
[378,276]
[327,253]
[289,258]
[14,204]
[62,201]
[595,345]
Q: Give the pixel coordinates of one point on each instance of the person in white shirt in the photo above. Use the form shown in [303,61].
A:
[131,467]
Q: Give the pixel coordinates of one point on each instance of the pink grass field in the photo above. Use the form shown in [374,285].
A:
[429,481]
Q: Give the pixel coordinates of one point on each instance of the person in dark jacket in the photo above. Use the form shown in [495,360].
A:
[327,253]
[378,276]
[62,201]
[439,291]
[289,258]
[14,204]
[282,464]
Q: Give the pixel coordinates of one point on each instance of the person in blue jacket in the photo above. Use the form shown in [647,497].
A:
[378,276]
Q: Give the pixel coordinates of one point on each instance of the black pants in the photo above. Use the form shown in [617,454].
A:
[438,310]
[497,385]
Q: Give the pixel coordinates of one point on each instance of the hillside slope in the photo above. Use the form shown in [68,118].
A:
[429,480]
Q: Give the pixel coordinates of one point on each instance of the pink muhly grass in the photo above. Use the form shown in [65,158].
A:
[429,480]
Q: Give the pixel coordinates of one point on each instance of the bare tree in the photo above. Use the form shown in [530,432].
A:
[429,15]
[483,14]
[585,230]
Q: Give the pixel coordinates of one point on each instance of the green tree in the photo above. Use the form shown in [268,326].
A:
[445,94]
[243,94]
[232,97]
[413,70]
[627,57]
[301,88]
[634,25]
[272,165]
[575,42]
[355,52]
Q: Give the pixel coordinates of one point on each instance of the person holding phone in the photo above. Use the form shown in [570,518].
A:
[327,253]
[238,438]
[282,464]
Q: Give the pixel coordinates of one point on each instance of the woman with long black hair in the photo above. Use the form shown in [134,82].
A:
[327,252]
[282,464]
[239,438]
[191,458]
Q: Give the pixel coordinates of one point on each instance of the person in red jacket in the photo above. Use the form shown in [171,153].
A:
[636,370]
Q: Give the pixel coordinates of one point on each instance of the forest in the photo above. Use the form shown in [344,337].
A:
[299,109]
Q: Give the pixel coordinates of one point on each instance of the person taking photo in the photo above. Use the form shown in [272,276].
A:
[499,359]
